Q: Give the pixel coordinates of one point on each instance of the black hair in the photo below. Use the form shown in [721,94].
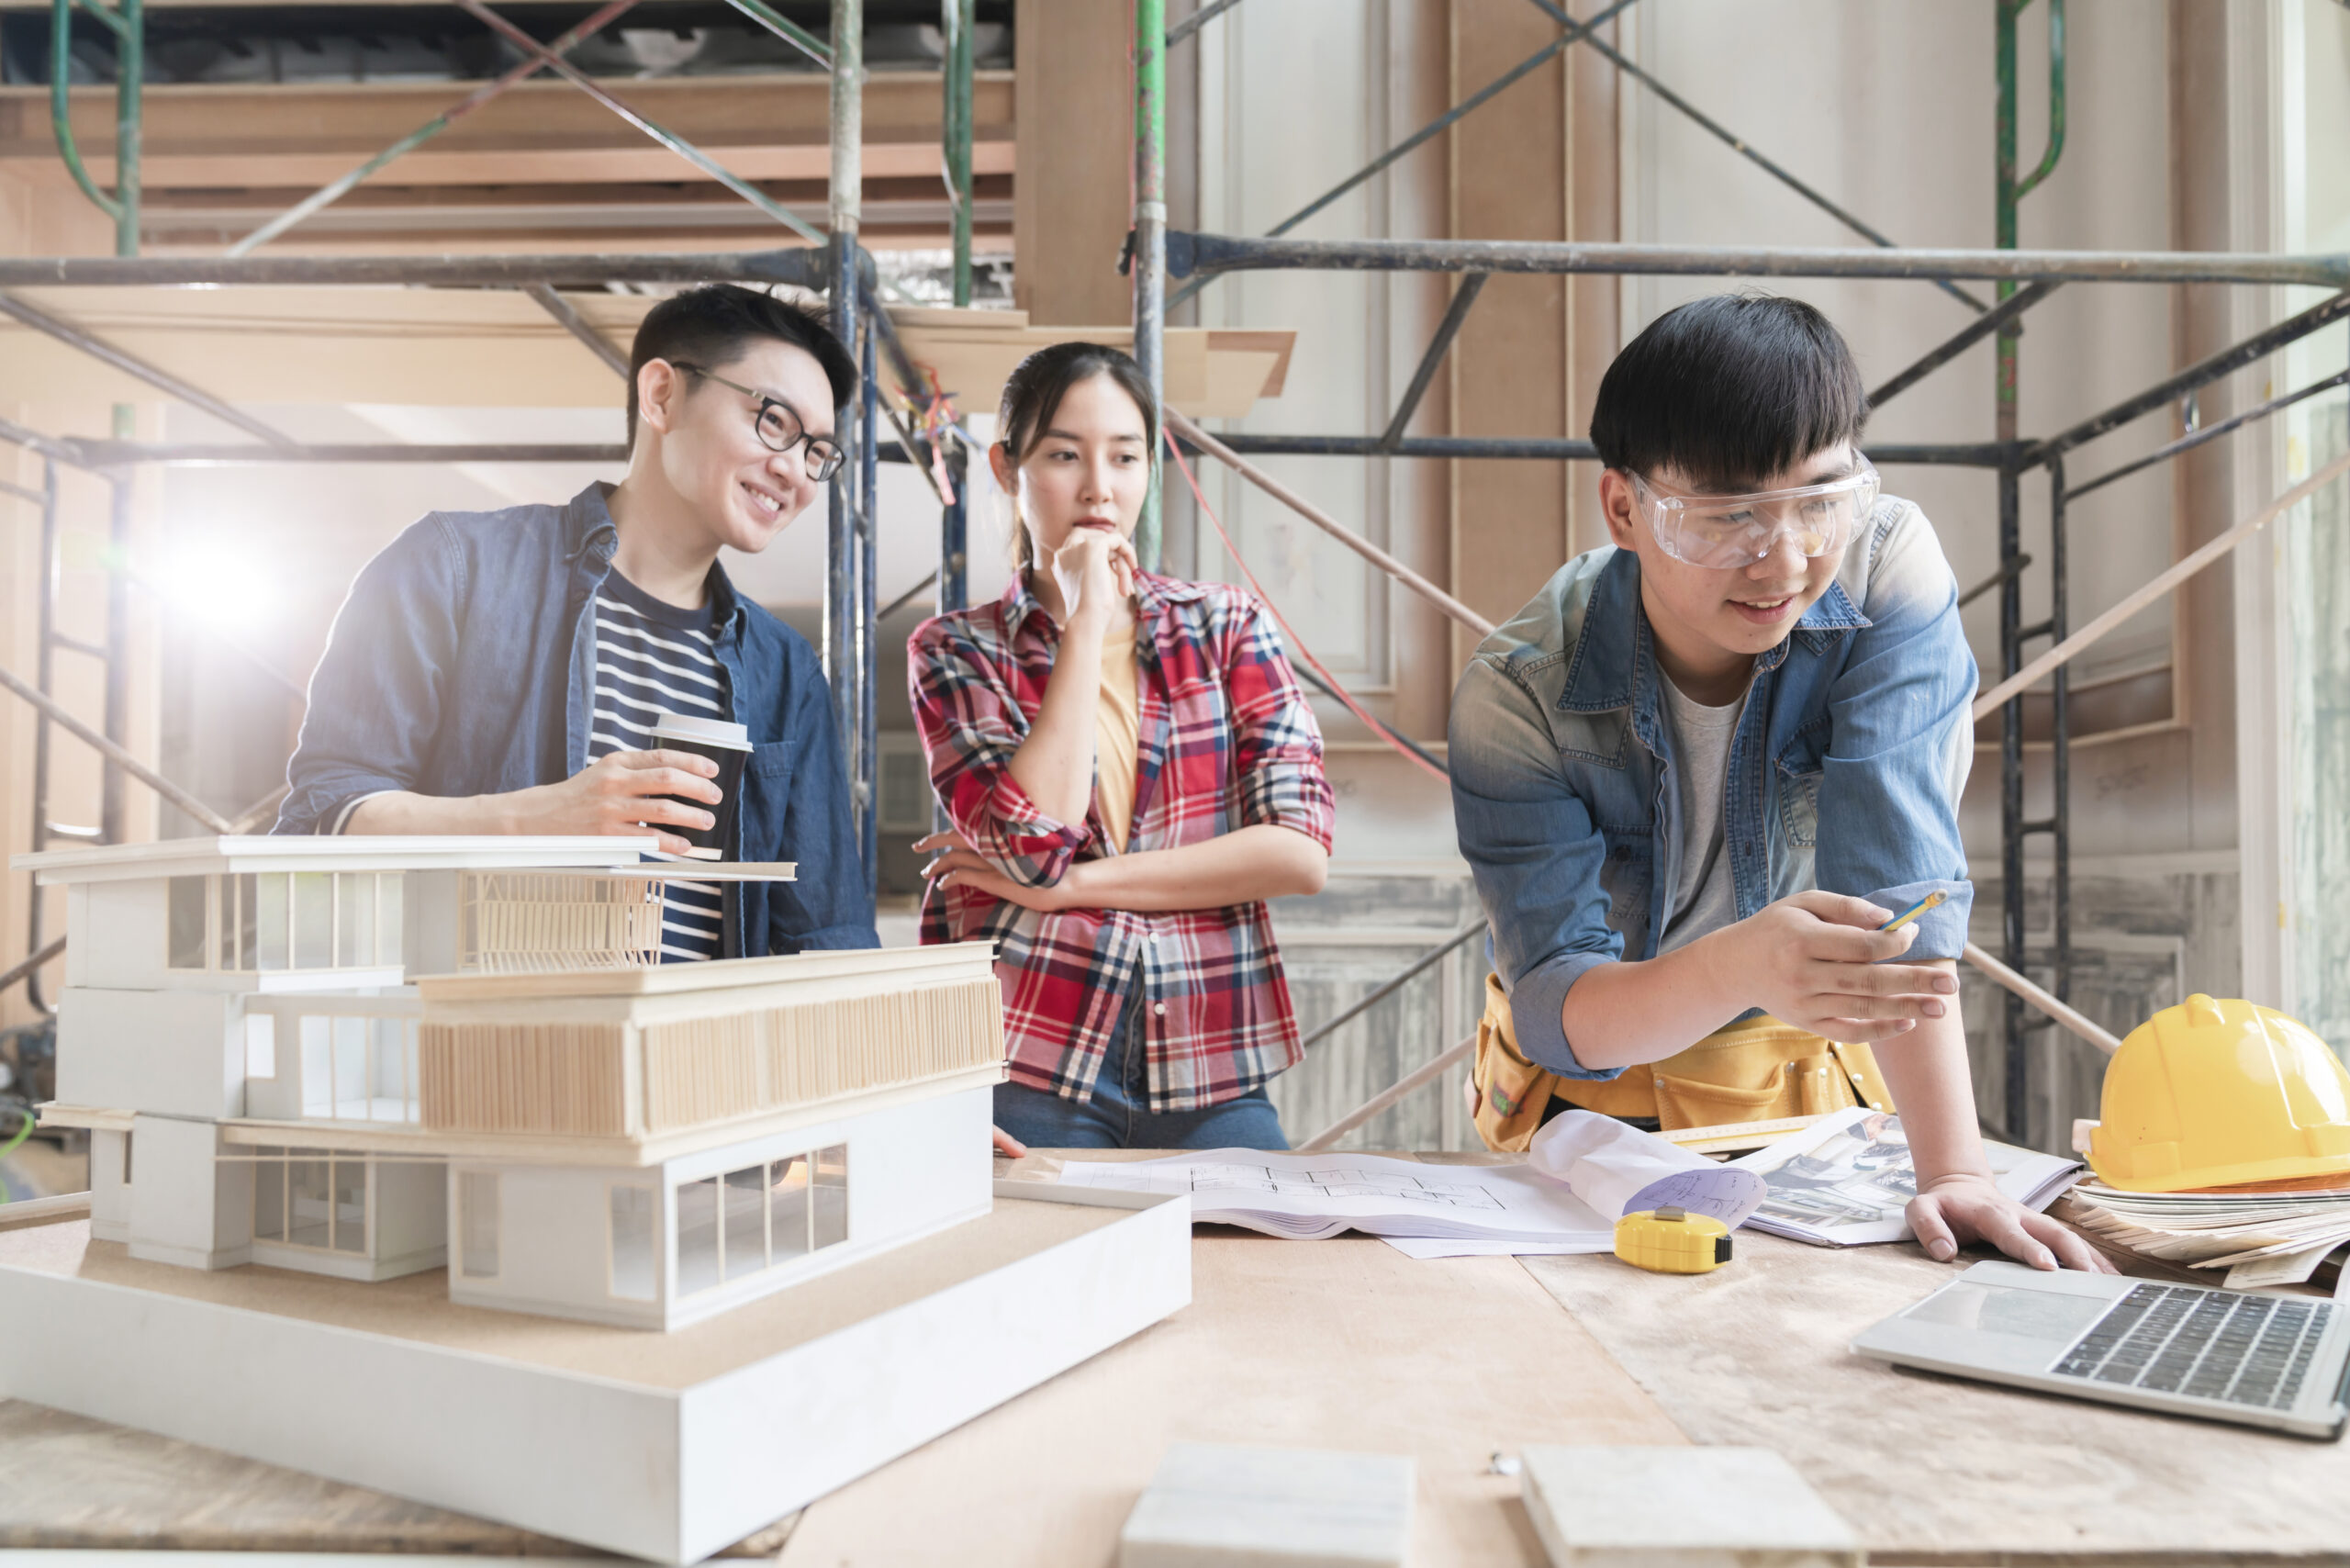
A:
[1728,391]
[1033,393]
[712,325]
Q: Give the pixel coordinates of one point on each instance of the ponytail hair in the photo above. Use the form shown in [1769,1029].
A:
[1033,393]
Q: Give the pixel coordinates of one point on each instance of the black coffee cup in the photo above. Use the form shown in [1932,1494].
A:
[727,745]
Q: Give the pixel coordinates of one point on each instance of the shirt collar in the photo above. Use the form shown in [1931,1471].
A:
[590,530]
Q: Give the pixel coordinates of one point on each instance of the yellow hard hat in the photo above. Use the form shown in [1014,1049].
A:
[2215,1093]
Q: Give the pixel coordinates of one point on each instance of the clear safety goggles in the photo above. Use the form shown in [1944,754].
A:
[1722,532]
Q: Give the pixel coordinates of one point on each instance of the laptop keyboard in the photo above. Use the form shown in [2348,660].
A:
[2207,1344]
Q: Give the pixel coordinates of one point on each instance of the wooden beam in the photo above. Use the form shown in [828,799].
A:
[762,127]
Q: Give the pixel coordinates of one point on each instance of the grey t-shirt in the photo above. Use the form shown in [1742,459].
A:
[1704,899]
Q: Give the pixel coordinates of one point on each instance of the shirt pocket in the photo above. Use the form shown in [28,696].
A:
[766,795]
[1800,766]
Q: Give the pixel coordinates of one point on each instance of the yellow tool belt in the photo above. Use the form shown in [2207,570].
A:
[1751,1072]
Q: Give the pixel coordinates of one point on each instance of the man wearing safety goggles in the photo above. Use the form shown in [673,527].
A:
[1697,773]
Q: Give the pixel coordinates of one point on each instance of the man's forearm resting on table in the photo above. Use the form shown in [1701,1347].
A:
[1927,1071]
[400,811]
[1251,864]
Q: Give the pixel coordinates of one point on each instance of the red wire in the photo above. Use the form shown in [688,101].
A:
[1295,643]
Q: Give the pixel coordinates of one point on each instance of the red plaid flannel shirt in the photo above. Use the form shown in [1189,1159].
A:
[1227,740]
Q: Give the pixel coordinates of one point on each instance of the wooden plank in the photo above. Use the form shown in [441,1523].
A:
[1934,1470]
[1341,1344]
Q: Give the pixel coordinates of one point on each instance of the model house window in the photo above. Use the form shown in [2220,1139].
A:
[478,1222]
[733,1227]
[359,1069]
[308,1197]
[240,920]
[696,1235]
[188,903]
[828,1198]
[261,1046]
[273,936]
[632,1243]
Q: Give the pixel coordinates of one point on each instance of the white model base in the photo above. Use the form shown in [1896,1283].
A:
[662,1445]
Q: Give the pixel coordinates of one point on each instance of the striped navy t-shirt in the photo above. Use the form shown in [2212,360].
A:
[652,658]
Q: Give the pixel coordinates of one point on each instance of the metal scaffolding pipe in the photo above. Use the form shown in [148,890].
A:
[1559,449]
[1202,440]
[564,311]
[2197,437]
[1965,338]
[163,380]
[2066,1017]
[799,266]
[121,758]
[18,970]
[1427,1073]
[1188,253]
[2186,567]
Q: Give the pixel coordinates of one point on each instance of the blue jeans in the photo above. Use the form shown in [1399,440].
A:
[1118,1116]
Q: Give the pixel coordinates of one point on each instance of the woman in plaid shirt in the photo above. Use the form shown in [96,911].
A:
[1131,770]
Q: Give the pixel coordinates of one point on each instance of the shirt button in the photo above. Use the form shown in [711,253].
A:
[1159,1008]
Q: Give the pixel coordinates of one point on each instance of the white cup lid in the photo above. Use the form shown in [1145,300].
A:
[708,731]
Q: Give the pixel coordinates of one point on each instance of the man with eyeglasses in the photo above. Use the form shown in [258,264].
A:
[503,672]
[1697,773]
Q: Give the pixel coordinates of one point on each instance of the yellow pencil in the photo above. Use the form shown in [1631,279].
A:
[1931,901]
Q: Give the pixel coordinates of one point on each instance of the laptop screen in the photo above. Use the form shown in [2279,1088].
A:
[2047,1316]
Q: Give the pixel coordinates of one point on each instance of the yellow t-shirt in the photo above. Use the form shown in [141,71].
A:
[1117,737]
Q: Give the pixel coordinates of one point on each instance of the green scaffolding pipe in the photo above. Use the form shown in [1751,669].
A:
[1149,240]
[787,30]
[956,18]
[2011,191]
[130,28]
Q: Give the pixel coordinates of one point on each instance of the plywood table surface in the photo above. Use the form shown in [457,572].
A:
[1934,1470]
[1342,1344]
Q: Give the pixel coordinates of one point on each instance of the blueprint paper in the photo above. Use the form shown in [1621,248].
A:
[1616,1168]
[1309,1196]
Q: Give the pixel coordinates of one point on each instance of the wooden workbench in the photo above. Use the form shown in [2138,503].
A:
[1348,1344]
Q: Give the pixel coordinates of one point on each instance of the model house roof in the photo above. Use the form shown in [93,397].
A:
[259,853]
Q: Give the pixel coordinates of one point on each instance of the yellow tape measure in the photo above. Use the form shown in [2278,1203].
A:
[1673,1241]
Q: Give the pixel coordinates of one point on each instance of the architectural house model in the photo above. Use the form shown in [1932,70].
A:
[387,1059]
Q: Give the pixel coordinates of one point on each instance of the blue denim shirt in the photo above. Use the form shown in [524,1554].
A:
[1561,767]
[463,663]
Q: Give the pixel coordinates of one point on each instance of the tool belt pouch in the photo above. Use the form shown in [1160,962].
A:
[1755,1070]
[1512,1092]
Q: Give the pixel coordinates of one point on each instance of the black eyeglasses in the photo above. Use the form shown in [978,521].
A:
[778,427]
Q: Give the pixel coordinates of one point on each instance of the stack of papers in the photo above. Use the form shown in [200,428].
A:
[1847,1180]
[2261,1238]
[1309,1196]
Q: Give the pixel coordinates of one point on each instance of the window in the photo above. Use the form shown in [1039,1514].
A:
[313,919]
[388,917]
[828,1198]
[354,920]
[349,1183]
[477,1223]
[270,933]
[787,1207]
[309,1219]
[351,1095]
[318,1067]
[189,901]
[756,1217]
[746,1193]
[261,1046]
[310,1197]
[269,1195]
[632,1243]
[240,912]
[696,1235]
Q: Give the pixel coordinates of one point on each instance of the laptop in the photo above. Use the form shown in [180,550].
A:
[2259,1361]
